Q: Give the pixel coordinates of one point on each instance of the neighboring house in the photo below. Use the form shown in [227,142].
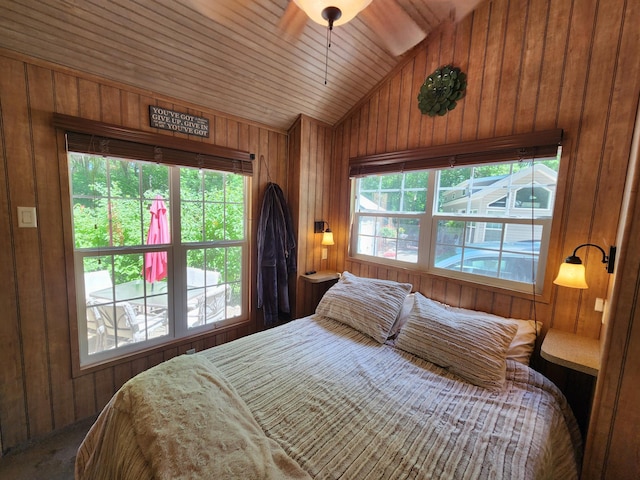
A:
[501,195]
[498,193]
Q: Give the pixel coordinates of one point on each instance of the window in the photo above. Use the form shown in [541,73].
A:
[159,237]
[500,203]
[160,252]
[536,197]
[489,222]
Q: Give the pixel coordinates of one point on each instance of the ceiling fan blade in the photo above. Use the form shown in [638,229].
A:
[293,20]
[393,25]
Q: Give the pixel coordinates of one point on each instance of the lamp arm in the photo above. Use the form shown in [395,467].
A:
[319,226]
[605,259]
[609,260]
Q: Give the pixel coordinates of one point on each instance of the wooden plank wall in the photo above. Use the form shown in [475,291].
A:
[531,65]
[613,439]
[37,391]
[310,158]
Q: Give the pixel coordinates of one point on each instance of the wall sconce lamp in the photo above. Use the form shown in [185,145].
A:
[572,273]
[327,234]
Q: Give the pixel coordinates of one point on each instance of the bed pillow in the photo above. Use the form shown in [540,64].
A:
[369,305]
[475,351]
[523,343]
[405,311]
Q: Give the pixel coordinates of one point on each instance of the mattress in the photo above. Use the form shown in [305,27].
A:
[341,405]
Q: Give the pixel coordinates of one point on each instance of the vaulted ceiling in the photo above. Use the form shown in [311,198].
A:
[232,56]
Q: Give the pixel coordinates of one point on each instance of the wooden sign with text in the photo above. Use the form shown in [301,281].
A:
[178,122]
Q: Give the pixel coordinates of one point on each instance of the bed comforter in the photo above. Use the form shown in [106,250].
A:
[343,406]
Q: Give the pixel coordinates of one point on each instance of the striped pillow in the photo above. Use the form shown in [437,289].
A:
[369,305]
[471,349]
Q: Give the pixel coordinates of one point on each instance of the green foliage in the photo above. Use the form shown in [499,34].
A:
[226,260]
[415,201]
[416,179]
[111,201]
[391,182]
[454,176]
[388,232]
[398,192]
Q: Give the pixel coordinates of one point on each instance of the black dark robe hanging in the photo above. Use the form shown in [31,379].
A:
[276,255]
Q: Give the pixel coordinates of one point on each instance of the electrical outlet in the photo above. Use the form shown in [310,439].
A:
[324,254]
[599,307]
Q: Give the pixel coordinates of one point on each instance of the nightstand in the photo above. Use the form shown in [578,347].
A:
[581,356]
[320,282]
[572,351]
[321,277]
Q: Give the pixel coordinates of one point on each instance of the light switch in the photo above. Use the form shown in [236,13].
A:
[324,254]
[27,217]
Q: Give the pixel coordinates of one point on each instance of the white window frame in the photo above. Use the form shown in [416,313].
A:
[428,236]
[176,263]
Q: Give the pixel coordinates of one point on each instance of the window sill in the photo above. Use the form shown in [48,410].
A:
[80,371]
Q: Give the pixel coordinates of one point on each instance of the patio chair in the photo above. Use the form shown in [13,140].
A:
[211,306]
[94,281]
[124,325]
[96,330]
[197,277]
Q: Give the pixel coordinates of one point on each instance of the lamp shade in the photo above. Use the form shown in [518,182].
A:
[349,9]
[327,237]
[571,275]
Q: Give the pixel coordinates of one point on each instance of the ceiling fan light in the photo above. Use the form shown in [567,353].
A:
[349,9]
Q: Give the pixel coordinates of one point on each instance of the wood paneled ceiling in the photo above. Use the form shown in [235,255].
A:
[226,55]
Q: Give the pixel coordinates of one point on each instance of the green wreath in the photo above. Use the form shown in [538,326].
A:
[441,90]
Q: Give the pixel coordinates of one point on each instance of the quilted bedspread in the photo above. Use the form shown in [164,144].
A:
[181,420]
[344,406]
[341,405]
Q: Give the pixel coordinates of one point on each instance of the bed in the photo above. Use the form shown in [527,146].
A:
[379,383]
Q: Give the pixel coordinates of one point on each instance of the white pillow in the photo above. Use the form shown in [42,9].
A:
[369,305]
[473,350]
[407,305]
[523,343]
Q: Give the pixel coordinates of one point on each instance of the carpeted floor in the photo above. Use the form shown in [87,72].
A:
[51,458]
